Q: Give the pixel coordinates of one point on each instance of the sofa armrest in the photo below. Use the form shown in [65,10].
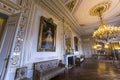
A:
[61,65]
[36,75]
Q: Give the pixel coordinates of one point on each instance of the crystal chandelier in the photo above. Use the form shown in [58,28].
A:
[105,33]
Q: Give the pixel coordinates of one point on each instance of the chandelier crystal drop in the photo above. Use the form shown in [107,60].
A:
[105,33]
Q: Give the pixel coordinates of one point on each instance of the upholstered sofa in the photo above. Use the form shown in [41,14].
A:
[48,69]
[21,74]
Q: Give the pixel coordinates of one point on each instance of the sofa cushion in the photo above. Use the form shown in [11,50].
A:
[43,66]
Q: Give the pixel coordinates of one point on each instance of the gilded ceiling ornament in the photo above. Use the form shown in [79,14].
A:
[104,7]
[70,5]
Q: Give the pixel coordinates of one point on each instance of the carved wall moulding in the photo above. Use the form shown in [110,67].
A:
[20,34]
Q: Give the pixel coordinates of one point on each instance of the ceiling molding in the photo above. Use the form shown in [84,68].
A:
[76,6]
[57,9]
[11,4]
[44,5]
[85,24]
[68,17]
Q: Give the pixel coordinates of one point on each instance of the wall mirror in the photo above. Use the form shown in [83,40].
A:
[76,43]
[68,38]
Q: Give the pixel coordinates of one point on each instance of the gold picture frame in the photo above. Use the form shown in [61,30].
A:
[47,35]
[76,43]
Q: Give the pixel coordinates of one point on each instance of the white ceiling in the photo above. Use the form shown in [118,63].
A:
[77,13]
[82,14]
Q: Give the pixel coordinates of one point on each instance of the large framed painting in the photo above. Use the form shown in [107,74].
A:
[47,35]
[76,43]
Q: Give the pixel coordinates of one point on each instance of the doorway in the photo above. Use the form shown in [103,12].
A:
[3,20]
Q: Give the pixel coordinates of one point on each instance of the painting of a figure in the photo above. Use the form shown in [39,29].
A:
[47,35]
[47,39]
